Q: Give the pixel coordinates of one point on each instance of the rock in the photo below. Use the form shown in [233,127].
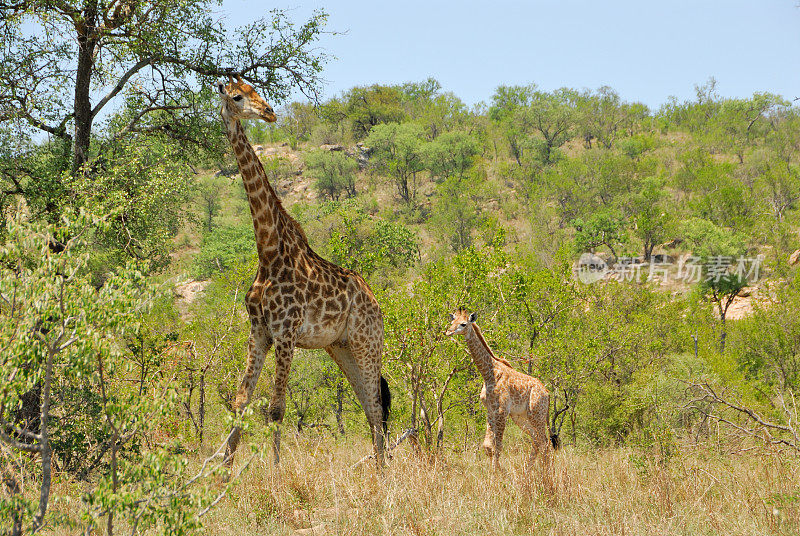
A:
[189,290]
[226,172]
[794,258]
[186,293]
[331,147]
[362,156]
[285,185]
[675,242]
[269,151]
[747,291]
[741,307]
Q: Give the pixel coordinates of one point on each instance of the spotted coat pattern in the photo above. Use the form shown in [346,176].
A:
[506,393]
[298,299]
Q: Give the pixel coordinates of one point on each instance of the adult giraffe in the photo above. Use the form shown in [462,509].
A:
[299,299]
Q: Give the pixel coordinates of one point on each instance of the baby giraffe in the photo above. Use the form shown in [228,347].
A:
[506,392]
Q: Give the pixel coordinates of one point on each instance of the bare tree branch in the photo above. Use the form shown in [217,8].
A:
[762,428]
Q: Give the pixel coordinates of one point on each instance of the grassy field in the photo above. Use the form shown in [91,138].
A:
[321,489]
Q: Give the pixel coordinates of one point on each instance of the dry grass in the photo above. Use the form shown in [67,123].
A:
[612,491]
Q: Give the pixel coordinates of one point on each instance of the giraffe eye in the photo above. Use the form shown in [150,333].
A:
[237,98]
[463,324]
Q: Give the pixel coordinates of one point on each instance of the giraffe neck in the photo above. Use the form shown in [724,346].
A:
[481,354]
[265,207]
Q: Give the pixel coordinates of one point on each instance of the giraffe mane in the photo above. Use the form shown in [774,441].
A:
[491,353]
[282,212]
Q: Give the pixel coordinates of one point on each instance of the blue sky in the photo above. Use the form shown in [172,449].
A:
[645,50]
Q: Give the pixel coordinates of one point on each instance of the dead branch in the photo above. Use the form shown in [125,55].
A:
[405,435]
[755,425]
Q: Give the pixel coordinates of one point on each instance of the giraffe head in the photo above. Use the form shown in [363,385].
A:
[460,320]
[240,101]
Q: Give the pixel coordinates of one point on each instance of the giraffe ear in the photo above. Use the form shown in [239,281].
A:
[221,87]
[452,317]
[473,317]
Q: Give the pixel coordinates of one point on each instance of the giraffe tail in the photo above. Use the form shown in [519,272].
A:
[555,440]
[386,403]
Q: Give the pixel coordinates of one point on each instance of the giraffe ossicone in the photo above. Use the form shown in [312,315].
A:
[298,299]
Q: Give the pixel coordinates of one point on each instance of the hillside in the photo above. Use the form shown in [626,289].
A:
[672,373]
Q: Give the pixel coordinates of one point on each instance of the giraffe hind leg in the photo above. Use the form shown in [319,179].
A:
[284,352]
[488,441]
[368,387]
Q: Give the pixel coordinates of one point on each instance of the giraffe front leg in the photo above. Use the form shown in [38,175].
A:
[284,351]
[257,347]
[498,429]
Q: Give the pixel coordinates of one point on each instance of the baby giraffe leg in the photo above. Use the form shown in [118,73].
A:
[498,429]
[488,441]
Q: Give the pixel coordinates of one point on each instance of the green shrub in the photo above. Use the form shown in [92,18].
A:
[223,248]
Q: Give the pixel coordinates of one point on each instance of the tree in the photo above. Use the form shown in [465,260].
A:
[335,173]
[537,302]
[210,200]
[435,111]
[508,103]
[768,344]
[368,244]
[552,116]
[715,193]
[366,107]
[437,374]
[602,116]
[451,154]
[650,218]
[458,211]
[223,248]
[67,61]
[299,120]
[63,335]
[604,228]
[398,153]
[739,121]
[143,189]
[722,252]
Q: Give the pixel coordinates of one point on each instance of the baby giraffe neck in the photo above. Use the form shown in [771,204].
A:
[480,352]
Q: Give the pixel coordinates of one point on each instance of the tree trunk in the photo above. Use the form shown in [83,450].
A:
[649,245]
[414,437]
[339,407]
[201,410]
[424,415]
[87,45]
[724,333]
[440,423]
[8,473]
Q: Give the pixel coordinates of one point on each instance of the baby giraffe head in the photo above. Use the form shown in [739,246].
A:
[460,320]
[240,101]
